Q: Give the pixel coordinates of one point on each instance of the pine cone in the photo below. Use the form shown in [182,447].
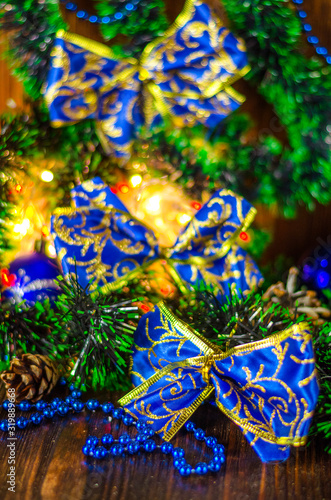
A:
[296,302]
[32,375]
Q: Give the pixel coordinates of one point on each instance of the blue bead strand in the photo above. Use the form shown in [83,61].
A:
[121,15]
[307,29]
[108,446]
[142,440]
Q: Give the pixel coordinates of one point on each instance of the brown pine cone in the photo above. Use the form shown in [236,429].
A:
[32,376]
[296,302]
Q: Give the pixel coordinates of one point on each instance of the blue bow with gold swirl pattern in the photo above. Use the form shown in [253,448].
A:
[108,247]
[185,74]
[268,388]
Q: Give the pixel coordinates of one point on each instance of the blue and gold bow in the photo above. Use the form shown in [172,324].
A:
[108,247]
[185,74]
[268,388]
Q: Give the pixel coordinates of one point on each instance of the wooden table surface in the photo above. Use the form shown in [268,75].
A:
[50,465]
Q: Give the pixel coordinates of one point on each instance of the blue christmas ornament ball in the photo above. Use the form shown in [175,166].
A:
[34,280]
[316,270]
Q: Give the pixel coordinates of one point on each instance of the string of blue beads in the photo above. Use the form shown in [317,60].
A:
[120,15]
[307,28]
[108,445]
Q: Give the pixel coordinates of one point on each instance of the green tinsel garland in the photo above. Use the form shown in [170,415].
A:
[92,335]
[32,25]
[322,420]
[224,160]
[299,90]
[98,334]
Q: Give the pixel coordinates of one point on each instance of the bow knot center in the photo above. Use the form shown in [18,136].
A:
[205,370]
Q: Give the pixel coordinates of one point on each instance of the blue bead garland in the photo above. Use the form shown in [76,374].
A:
[121,15]
[107,439]
[108,446]
[307,28]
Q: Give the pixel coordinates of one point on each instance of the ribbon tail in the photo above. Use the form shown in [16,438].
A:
[178,405]
[267,451]
[186,414]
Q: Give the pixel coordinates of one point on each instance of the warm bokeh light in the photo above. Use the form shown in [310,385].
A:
[162,205]
[22,228]
[124,188]
[45,231]
[196,205]
[136,180]
[7,279]
[29,213]
[47,176]
[183,219]
[152,205]
[245,237]
[50,250]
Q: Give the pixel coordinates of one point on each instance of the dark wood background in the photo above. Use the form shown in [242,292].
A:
[290,237]
[50,464]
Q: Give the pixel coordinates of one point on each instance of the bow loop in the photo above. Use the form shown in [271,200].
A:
[100,238]
[268,388]
[95,193]
[214,228]
[185,74]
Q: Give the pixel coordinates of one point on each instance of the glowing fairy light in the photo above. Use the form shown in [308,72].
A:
[166,289]
[45,231]
[196,205]
[47,176]
[159,222]
[22,228]
[152,205]
[29,213]
[245,237]
[124,188]
[183,218]
[136,180]
[50,250]
[7,279]
[26,223]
